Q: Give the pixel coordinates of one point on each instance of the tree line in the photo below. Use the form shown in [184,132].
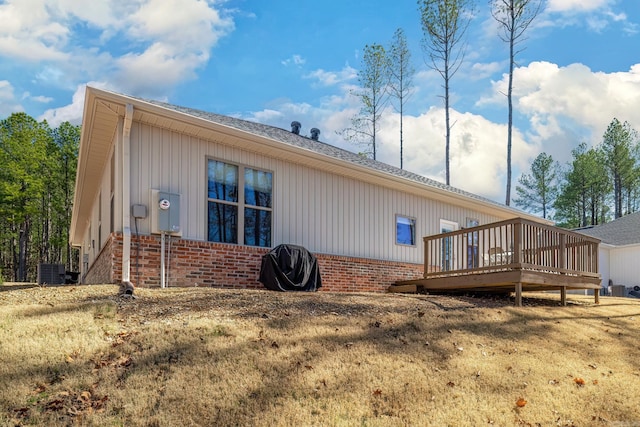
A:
[386,73]
[37,177]
[598,184]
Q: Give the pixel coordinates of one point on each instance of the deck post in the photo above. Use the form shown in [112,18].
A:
[562,255]
[519,294]
[517,242]
[596,293]
[563,295]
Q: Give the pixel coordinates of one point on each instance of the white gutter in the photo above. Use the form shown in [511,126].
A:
[126,194]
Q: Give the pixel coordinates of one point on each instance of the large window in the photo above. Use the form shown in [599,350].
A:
[239,204]
[405,230]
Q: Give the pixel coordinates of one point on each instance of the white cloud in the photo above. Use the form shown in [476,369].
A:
[597,14]
[332,78]
[155,68]
[294,60]
[576,5]
[41,99]
[182,24]
[483,70]
[8,102]
[165,41]
[28,33]
[556,100]
[73,112]
[266,116]
[477,153]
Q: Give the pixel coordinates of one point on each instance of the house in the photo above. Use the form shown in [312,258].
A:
[172,196]
[619,254]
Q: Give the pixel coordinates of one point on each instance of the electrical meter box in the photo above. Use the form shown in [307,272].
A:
[165,212]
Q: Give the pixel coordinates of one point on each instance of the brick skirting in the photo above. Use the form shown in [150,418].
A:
[221,265]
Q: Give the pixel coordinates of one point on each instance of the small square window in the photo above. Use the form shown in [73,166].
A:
[405,230]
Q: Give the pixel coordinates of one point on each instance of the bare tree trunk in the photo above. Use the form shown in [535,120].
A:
[401,117]
[23,251]
[510,124]
[448,126]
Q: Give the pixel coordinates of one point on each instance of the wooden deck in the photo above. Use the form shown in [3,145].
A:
[509,256]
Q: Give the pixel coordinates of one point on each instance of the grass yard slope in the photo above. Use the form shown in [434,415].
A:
[81,355]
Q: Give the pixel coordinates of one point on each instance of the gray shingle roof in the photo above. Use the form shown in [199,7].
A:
[287,137]
[622,231]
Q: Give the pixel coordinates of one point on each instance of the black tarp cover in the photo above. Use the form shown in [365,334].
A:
[290,268]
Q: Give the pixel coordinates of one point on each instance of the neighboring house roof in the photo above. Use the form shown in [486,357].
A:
[619,232]
[103,108]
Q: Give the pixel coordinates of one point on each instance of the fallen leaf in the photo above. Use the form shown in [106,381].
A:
[377,392]
[451,384]
[520,403]
[579,381]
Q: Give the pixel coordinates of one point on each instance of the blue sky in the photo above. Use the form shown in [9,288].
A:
[276,61]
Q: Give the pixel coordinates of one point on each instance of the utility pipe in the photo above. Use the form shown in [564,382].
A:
[162,256]
[126,194]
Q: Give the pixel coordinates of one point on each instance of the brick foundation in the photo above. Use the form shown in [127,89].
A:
[103,268]
[220,265]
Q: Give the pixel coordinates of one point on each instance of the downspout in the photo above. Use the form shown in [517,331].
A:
[127,287]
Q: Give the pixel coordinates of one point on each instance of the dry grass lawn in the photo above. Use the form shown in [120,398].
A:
[81,355]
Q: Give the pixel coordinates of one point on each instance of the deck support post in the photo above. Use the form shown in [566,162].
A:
[519,294]
[563,295]
[596,293]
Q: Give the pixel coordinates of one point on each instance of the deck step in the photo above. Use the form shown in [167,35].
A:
[403,289]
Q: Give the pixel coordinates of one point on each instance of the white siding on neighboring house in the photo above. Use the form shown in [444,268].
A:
[604,256]
[322,211]
[625,265]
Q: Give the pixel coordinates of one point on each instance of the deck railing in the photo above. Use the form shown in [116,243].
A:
[509,245]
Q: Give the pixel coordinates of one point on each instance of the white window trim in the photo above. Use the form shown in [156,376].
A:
[454,226]
[415,230]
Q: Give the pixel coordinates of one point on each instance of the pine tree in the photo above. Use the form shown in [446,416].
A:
[582,200]
[538,190]
[400,78]
[373,94]
[36,191]
[618,146]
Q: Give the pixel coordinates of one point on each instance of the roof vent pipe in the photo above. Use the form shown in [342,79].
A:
[315,133]
[295,127]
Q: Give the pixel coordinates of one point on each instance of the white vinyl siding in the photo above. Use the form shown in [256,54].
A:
[624,267]
[320,210]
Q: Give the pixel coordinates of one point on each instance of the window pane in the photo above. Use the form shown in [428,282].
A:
[405,231]
[257,188]
[223,181]
[223,223]
[257,227]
